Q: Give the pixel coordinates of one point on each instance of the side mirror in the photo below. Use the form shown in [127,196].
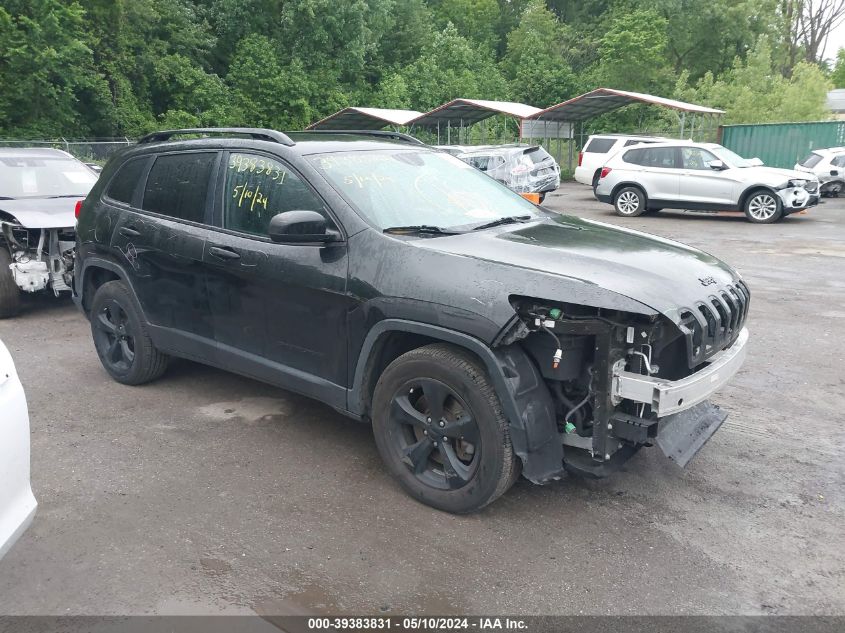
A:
[296,227]
[718,165]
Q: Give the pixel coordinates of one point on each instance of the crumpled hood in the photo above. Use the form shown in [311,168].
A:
[773,176]
[664,275]
[42,213]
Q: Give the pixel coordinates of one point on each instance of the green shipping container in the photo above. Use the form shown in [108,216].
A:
[782,144]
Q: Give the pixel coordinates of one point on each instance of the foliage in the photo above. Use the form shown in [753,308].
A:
[124,67]
[753,91]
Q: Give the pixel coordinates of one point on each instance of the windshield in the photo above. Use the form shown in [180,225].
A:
[729,157]
[44,176]
[405,187]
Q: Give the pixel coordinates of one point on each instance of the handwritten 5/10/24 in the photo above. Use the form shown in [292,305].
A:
[250,196]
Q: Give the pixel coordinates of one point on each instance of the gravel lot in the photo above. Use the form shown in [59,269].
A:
[206,492]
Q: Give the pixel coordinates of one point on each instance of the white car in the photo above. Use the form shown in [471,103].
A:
[40,190]
[828,165]
[598,149]
[17,503]
[702,177]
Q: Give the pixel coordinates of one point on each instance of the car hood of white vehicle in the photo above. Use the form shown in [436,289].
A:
[42,213]
[773,176]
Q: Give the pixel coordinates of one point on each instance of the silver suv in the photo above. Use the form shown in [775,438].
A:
[702,177]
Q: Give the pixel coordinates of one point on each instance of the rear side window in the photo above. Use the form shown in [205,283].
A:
[600,145]
[811,161]
[122,186]
[663,157]
[537,155]
[178,185]
[257,188]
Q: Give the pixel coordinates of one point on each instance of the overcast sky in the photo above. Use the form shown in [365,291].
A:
[835,42]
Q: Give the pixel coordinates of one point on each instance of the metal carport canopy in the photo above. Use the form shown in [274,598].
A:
[603,100]
[469,111]
[364,119]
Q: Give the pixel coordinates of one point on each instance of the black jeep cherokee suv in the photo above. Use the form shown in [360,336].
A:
[482,335]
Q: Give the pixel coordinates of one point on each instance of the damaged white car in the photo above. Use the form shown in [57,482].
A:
[39,192]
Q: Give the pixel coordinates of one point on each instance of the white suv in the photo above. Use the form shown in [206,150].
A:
[702,177]
[598,149]
[17,505]
[828,165]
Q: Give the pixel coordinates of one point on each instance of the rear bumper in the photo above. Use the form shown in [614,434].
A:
[604,197]
[667,397]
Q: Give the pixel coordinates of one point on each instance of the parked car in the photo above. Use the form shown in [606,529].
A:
[828,165]
[39,190]
[702,176]
[598,149]
[17,503]
[481,335]
[521,168]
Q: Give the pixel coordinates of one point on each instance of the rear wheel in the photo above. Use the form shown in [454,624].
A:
[121,338]
[10,294]
[630,202]
[763,207]
[440,429]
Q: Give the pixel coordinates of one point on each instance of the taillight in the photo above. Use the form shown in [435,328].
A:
[77,209]
[604,172]
[580,158]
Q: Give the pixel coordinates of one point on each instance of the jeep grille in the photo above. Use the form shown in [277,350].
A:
[714,324]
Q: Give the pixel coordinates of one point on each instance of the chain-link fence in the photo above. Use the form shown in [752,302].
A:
[87,150]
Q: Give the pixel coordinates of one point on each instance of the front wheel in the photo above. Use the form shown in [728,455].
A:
[440,429]
[10,294]
[763,207]
[630,202]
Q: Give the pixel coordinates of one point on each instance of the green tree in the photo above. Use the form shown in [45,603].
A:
[50,85]
[451,66]
[837,77]
[267,92]
[754,91]
[476,20]
[632,52]
[537,59]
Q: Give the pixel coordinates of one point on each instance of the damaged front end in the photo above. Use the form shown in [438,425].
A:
[41,258]
[620,381]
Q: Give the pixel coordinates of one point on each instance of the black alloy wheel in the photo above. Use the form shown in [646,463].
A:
[112,336]
[437,437]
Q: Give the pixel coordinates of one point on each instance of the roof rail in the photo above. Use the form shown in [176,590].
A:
[259,134]
[407,138]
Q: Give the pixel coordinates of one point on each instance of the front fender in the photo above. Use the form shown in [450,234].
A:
[522,392]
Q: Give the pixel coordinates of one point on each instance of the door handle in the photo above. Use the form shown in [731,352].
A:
[222,252]
[126,231]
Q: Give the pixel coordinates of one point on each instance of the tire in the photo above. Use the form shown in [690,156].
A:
[121,338]
[629,202]
[10,294]
[459,475]
[763,207]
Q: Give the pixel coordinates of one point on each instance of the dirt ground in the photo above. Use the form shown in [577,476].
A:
[206,492]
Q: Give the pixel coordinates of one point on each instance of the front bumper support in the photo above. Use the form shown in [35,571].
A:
[672,396]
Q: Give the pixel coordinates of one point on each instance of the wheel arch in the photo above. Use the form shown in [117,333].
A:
[96,272]
[743,198]
[522,392]
[620,186]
